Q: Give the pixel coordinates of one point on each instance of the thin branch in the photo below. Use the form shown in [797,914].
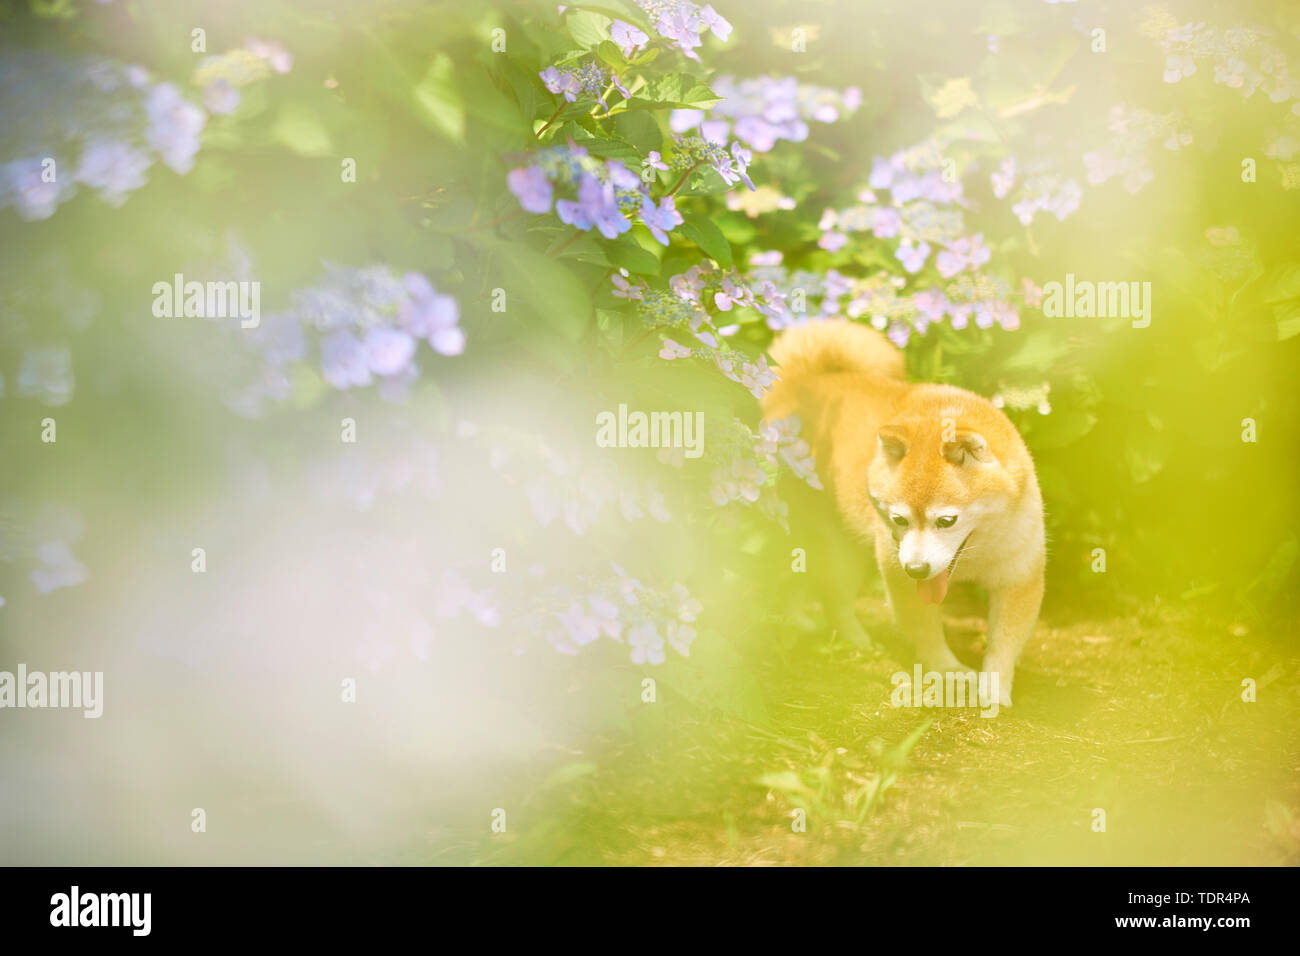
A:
[685,176]
[497,221]
[566,243]
[557,112]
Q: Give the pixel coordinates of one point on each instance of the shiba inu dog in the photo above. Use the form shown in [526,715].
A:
[935,477]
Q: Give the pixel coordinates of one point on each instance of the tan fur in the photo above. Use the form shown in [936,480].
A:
[915,452]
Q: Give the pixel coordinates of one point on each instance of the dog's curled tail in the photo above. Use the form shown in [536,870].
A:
[834,345]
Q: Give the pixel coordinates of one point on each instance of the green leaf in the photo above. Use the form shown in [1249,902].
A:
[494,104]
[571,57]
[611,55]
[705,181]
[1289,325]
[1282,283]
[675,91]
[1039,352]
[896,756]
[1146,454]
[545,286]
[588,29]
[586,250]
[788,783]
[610,324]
[1279,567]
[702,231]
[738,229]
[1062,427]
[624,10]
[439,101]
[1282,292]
[608,148]
[632,258]
[639,129]
[571,111]
[683,88]
[301,130]
[523,85]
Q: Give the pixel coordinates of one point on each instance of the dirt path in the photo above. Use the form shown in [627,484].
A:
[1144,721]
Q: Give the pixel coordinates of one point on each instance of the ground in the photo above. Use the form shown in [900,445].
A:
[1140,718]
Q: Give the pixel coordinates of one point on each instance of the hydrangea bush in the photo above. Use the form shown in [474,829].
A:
[624,202]
[104,123]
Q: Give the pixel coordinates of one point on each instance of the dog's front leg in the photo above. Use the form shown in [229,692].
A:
[1013,612]
[844,563]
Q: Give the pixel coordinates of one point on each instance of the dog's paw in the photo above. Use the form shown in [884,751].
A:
[848,627]
[958,683]
[947,664]
[989,680]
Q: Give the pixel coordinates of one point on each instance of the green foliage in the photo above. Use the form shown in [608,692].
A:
[1136,432]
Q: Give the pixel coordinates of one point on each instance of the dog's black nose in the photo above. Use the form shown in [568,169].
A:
[918,571]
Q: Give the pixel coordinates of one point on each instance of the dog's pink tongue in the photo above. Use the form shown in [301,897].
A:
[934,590]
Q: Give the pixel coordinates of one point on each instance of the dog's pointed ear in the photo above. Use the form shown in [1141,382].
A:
[893,443]
[967,445]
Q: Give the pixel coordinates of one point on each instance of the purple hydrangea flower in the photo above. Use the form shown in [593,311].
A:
[557,82]
[531,188]
[432,316]
[630,40]
[930,304]
[832,241]
[220,96]
[344,361]
[662,219]
[713,21]
[596,207]
[673,350]
[91,108]
[742,158]
[681,22]
[174,126]
[388,351]
[280,59]
[114,168]
[912,257]
[898,333]
[23,185]
[885,222]
[647,646]
[762,111]
[1004,177]
[621,176]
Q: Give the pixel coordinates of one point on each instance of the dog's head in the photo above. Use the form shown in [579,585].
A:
[934,483]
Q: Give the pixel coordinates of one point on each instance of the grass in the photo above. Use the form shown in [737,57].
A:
[1140,718]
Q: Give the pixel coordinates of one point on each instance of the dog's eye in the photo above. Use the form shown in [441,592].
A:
[899,520]
[947,521]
